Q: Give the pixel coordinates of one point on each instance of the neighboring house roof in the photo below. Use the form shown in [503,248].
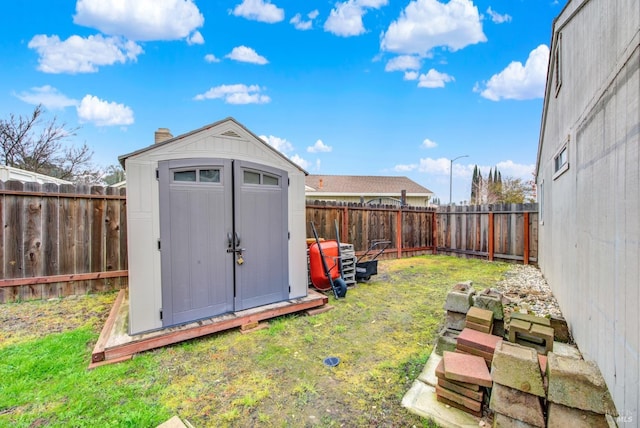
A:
[363,185]
[11,173]
[205,128]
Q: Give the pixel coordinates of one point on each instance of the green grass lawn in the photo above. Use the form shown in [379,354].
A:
[382,332]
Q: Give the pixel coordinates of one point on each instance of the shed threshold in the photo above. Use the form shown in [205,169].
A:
[115,344]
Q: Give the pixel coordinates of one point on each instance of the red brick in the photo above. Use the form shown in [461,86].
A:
[459,398]
[466,368]
[542,359]
[440,375]
[458,406]
[455,387]
[476,339]
[473,351]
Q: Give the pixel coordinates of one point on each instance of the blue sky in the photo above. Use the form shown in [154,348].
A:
[356,87]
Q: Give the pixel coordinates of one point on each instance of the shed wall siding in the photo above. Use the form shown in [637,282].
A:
[145,288]
[590,240]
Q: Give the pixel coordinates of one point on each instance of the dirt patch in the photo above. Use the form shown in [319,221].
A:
[33,319]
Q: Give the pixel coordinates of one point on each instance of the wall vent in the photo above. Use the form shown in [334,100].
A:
[231,133]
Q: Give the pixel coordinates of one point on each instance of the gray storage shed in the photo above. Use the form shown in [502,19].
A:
[216,222]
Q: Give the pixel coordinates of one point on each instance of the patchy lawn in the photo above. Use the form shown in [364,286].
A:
[382,332]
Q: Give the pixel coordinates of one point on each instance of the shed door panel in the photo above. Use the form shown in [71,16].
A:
[262,225]
[195,220]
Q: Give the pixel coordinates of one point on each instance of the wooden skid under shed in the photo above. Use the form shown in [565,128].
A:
[114,344]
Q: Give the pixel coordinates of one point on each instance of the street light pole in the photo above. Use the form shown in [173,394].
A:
[451,174]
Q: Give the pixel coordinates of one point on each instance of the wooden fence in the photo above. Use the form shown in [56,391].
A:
[506,232]
[411,230]
[496,232]
[59,240]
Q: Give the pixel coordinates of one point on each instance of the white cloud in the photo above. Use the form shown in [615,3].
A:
[411,75]
[235,94]
[319,147]
[300,24]
[498,18]
[211,58]
[403,62]
[278,143]
[405,168]
[346,18]
[304,164]
[428,144]
[509,168]
[426,24]
[104,113]
[434,166]
[195,39]
[259,10]
[140,19]
[80,55]
[434,79]
[518,82]
[246,54]
[441,166]
[48,96]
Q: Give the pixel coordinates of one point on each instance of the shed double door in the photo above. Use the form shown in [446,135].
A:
[223,237]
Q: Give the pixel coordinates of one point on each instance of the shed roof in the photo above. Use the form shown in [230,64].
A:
[205,128]
[363,184]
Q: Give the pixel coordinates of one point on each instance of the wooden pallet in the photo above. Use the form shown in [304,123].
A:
[115,344]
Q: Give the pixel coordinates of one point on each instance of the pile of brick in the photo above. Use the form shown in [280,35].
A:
[515,372]
[462,380]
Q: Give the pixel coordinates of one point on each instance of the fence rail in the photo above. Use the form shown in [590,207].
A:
[59,240]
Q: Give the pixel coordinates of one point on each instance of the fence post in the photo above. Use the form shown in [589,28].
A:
[434,232]
[399,233]
[490,237]
[345,224]
[525,253]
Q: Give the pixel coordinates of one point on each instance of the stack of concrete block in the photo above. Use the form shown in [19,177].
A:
[518,389]
[532,331]
[477,343]
[457,304]
[491,299]
[479,320]
[461,382]
[576,393]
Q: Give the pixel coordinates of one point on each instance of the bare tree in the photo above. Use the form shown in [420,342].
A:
[30,143]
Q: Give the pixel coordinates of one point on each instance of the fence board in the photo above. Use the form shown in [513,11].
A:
[51,216]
